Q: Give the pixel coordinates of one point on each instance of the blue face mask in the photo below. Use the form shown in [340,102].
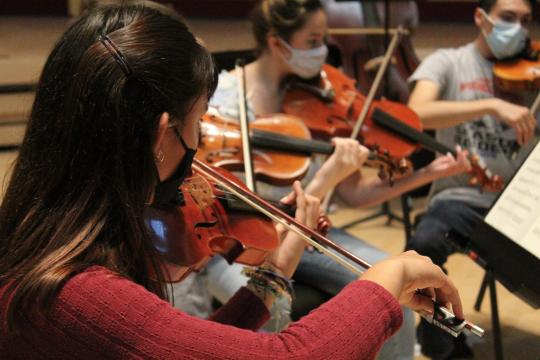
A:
[506,39]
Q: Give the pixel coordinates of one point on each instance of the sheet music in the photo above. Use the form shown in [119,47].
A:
[516,213]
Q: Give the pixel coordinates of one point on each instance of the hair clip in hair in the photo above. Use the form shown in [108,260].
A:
[116,54]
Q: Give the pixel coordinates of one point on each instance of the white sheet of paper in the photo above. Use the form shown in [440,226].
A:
[516,213]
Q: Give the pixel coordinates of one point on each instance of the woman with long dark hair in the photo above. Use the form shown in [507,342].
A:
[113,128]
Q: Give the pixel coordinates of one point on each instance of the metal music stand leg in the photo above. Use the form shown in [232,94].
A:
[406,207]
[481,292]
[489,281]
[497,338]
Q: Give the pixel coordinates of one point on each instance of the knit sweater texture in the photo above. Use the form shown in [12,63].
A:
[100,315]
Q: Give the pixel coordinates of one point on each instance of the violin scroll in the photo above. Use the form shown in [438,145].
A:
[389,168]
[480,176]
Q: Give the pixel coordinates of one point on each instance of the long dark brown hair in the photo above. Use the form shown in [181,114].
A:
[86,167]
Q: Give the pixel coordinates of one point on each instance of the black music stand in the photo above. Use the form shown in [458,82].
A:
[489,281]
[462,244]
[499,244]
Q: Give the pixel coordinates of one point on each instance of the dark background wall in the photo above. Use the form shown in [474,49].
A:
[457,10]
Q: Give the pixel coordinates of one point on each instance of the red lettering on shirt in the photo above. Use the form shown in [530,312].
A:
[481,85]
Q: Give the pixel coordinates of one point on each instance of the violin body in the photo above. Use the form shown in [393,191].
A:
[332,109]
[204,225]
[520,74]
[221,146]
[280,157]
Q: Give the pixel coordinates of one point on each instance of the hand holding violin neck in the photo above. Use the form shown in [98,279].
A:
[480,175]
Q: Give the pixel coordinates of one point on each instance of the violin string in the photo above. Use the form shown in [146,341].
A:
[214,196]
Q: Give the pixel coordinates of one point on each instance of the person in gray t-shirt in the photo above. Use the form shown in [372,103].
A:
[454,94]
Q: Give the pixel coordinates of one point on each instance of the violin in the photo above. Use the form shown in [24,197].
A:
[220,146]
[331,108]
[202,219]
[479,174]
[448,322]
[237,235]
[281,149]
[521,73]
[216,223]
[337,103]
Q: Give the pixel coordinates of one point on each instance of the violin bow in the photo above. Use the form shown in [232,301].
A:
[396,37]
[244,126]
[536,103]
[441,317]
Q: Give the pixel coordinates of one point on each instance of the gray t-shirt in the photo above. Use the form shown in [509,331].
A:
[225,101]
[463,74]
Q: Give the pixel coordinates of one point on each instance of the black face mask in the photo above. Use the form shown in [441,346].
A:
[167,192]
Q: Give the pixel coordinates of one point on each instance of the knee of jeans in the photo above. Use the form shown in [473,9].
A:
[430,241]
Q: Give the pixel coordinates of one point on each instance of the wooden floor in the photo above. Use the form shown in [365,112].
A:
[22,53]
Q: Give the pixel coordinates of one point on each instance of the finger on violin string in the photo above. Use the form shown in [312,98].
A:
[289,198]
[301,201]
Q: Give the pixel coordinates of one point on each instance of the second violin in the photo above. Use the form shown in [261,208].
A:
[331,108]
[282,149]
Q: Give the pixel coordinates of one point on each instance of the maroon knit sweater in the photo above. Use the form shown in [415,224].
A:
[100,315]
